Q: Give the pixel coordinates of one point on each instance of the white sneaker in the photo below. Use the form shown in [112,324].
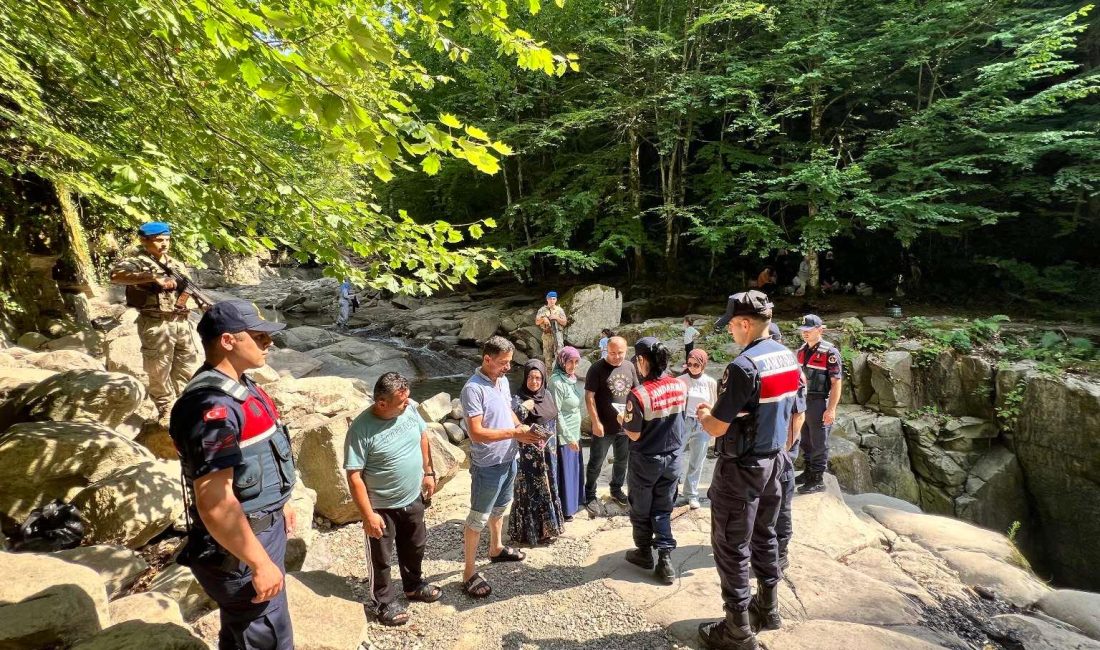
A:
[694,504]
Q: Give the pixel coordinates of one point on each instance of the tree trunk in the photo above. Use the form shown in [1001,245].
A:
[78,240]
[635,184]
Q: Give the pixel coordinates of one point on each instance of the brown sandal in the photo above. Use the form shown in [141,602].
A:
[477,587]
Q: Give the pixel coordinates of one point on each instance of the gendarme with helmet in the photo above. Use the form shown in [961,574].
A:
[238,475]
[751,420]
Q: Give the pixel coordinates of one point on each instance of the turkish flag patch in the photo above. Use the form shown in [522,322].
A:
[216,413]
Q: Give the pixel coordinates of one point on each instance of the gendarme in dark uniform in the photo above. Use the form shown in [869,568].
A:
[225,421]
[751,419]
[821,364]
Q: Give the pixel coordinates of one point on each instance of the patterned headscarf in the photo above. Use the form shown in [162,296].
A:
[566,354]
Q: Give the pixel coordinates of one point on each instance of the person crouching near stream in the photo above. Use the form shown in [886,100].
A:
[654,423]
[390,476]
[494,429]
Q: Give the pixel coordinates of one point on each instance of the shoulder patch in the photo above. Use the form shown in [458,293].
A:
[216,413]
[833,358]
[629,411]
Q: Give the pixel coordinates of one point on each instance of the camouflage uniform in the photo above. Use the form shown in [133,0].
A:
[553,338]
[168,348]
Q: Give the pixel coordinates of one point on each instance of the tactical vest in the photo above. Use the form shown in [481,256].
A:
[815,365]
[150,296]
[266,475]
[662,402]
[760,429]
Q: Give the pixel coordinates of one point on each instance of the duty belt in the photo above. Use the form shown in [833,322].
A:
[166,315]
[263,522]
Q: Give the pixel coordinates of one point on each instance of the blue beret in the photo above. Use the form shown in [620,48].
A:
[154,228]
[552,294]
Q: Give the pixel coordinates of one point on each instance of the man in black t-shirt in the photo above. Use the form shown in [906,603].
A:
[606,388]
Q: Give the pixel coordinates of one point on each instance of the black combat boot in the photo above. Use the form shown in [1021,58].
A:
[814,484]
[764,608]
[784,561]
[733,633]
[665,572]
[803,477]
[642,557]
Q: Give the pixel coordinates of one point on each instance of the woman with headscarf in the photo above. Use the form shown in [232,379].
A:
[699,389]
[536,509]
[567,395]
[654,422]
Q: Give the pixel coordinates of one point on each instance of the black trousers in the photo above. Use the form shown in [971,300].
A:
[597,454]
[815,435]
[246,625]
[784,527]
[404,530]
[652,492]
[745,501]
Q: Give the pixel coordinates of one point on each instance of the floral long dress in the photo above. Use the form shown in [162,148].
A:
[536,507]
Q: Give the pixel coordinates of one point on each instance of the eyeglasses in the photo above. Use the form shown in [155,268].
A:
[694,364]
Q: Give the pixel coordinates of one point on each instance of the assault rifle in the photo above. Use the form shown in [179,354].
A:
[187,288]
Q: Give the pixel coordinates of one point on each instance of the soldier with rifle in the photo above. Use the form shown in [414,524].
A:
[160,288]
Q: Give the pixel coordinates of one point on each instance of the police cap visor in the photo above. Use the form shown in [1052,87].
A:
[746,303]
[232,317]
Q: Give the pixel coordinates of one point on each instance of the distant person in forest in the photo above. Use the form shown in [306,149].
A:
[767,280]
[690,334]
[605,336]
[345,299]
[551,319]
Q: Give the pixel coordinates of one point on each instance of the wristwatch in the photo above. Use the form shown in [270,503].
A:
[431,474]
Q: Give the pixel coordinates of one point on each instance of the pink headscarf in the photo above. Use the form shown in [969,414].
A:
[566,354]
[699,355]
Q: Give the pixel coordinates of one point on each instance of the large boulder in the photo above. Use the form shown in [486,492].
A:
[836,635]
[478,326]
[1036,634]
[995,496]
[940,534]
[124,355]
[310,396]
[43,461]
[303,501]
[15,380]
[883,440]
[436,408]
[77,395]
[140,635]
[956,384]
[48,603]
[1080,609]
[306,337]
[892,380]
[364,360]
[118,566]
[850,465]
[148,606]
[63,360]
[321,466]
[590,309]
[447,458]
[326,614]
[32,340]
[862,388]
[133,505]
[178,583]
[1009,582]
[826,524]
[1055,442]
[292,362]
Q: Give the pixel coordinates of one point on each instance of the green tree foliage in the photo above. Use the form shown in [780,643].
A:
[700,130]
[258,124]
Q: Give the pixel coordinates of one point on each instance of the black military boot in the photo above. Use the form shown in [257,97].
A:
[665,572]
[642,557]
[764,608]
[814,484]
[803,477]
[733,633]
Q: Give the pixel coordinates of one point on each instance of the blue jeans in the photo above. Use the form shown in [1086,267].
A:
[694,452]
[491,487]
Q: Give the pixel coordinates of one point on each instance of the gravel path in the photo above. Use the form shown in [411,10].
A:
[544,602]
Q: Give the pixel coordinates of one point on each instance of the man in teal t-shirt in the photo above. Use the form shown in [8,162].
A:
[389,466]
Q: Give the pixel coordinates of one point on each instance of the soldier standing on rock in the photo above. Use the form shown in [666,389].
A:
[168,351]
[820,361]
[551,319]
[751,420]
[238,474]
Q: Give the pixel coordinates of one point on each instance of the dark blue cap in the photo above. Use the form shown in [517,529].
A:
[154,228]
[552,294]
[746,303]
[646,347]
[811,321]
[232,317]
